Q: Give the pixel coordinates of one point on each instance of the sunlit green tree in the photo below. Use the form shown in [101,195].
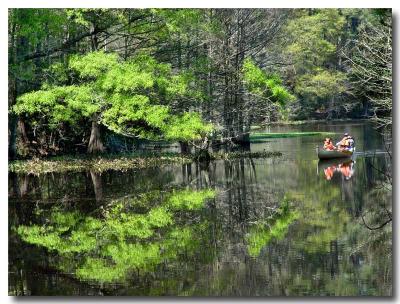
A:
[128,97]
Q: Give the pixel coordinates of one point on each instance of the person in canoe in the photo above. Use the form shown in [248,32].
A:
[346,143]
[328,145]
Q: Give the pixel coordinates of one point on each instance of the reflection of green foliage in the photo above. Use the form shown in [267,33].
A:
[321,220]
[124,257]
[109,248]
[262,234]
[326,228]
[189,200]
[123,225]
[52,236]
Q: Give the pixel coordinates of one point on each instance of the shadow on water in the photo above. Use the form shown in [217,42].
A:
[260,227]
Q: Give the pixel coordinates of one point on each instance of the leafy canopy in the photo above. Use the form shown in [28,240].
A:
[268,86]
[128,97]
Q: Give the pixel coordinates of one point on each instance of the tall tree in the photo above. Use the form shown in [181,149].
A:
[369,59]
[130,98]
[317,72]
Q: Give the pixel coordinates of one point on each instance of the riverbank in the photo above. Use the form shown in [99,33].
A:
[303,122]
[118,162]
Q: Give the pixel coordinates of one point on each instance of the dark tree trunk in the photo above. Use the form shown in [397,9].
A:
[184,147]
[22,132]
[97,185]
[95,144]
[12,136]
[12,94]
[12,118]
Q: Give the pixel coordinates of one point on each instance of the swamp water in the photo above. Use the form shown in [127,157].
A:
[284,226]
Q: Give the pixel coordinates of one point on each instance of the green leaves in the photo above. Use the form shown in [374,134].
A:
[188,126]
[322,84]
[60,103]
[94,64]
[131,97]
[314,37]
[268,86]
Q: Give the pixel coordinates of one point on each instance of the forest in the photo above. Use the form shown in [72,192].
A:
[200,152]
[95,81]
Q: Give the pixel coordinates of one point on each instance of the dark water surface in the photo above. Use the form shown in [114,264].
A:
[287,226]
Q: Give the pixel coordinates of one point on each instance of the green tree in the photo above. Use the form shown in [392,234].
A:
[318,79]
[369,59]
[267,87]
[130,98]
[29,30]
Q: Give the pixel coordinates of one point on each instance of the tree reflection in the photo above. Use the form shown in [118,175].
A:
[107,247]
[272,230]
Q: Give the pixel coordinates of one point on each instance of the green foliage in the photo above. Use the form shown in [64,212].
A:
[189,126]
[131,98]
[34,24]
[94,64]
[181,21]
[60,103]
[315,36]
[268,86]
[322,84]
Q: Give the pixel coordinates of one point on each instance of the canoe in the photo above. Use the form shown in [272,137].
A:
[333,162]
[328,154]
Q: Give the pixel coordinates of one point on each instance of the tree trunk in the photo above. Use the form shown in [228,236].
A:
[12,136]
[184,147]
[95,144]
[22,131]
[12,118]
[12,95]
[97,185]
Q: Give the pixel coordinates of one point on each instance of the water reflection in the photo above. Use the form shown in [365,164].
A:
[241,227]
[344,168]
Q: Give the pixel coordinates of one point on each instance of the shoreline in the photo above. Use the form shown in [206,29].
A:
[101,163]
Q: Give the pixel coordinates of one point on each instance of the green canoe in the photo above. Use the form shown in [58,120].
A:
[328,154]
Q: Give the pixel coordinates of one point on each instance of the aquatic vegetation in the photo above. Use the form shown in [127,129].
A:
[260,136]
[236,155]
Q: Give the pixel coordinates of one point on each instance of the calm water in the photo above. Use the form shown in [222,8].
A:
[285,226]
